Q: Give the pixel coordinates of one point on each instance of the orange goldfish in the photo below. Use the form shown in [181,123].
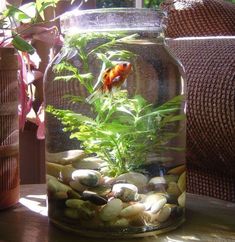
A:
[113,77]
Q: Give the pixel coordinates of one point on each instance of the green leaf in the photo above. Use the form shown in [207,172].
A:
[73,98]
[124,55]
[20,44]
[104,58]
[140,103]
[171,104]
[117,128]
[68,115]
[125,110]
[173,118]
[17,14]
[65,78]
[88,76]
[41,5]
[79,117]
[167,148]
[11,11]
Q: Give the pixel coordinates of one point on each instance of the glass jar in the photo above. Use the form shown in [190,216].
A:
[115,126]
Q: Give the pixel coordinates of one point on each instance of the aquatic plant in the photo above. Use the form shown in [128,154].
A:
[123,130]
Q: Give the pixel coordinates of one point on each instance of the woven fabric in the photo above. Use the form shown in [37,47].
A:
[210,70]
[199,18]
[9,161]
[210,182]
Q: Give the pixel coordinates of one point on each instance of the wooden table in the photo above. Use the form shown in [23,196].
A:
[208,219]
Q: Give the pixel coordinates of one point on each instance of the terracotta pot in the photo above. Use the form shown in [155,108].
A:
[9,161]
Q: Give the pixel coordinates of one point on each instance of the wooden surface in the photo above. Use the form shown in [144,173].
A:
[208,219]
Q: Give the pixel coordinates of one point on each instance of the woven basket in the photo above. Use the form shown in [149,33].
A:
[210,69]
[9,162]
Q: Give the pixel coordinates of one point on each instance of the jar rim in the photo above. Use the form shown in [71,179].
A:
[110,19]
[103,10]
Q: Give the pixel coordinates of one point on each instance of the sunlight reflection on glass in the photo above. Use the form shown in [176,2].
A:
[44,197]
[173,240]
[38,206]
[190,238]
[182,238]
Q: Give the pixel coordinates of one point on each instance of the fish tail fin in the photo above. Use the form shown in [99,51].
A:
[94,96]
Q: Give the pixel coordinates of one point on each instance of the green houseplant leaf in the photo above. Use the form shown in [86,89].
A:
[22,45]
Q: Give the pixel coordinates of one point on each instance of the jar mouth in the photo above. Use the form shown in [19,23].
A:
[112,19]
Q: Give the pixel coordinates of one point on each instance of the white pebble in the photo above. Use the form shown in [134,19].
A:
[132,210]
[163,214]
[65,157]
[135,178]
[87,177]
[155,202]
[111,210]
[122,222]
[125,191]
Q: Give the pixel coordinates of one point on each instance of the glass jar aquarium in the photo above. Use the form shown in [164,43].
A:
[115,126]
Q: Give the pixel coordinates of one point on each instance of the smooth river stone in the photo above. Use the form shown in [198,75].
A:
[173,189]
[55,186]
[61,195]
[71,213]
[66,173]
[157,180]
[141,219]
[54,169]
[135,178]
[125,191]
[122,222]
[73,194]
[93,198]
[100,190]
[132,210]
[182,199]
[109,181]
[111,210]
[163,214]
[84,208]
[93,163]
[65,157]
[158,183]
[171,178]
[76,185]
[87,177]
[155,202]
[182,182]
[177,170]
[75,203]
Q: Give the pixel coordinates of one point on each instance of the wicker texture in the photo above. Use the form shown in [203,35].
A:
[210,70]
[200,18]
[210,182]
[9,161]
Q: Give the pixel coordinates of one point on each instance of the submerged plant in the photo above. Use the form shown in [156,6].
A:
[123,130]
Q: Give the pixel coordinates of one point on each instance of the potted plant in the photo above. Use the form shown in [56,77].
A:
[20,27]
